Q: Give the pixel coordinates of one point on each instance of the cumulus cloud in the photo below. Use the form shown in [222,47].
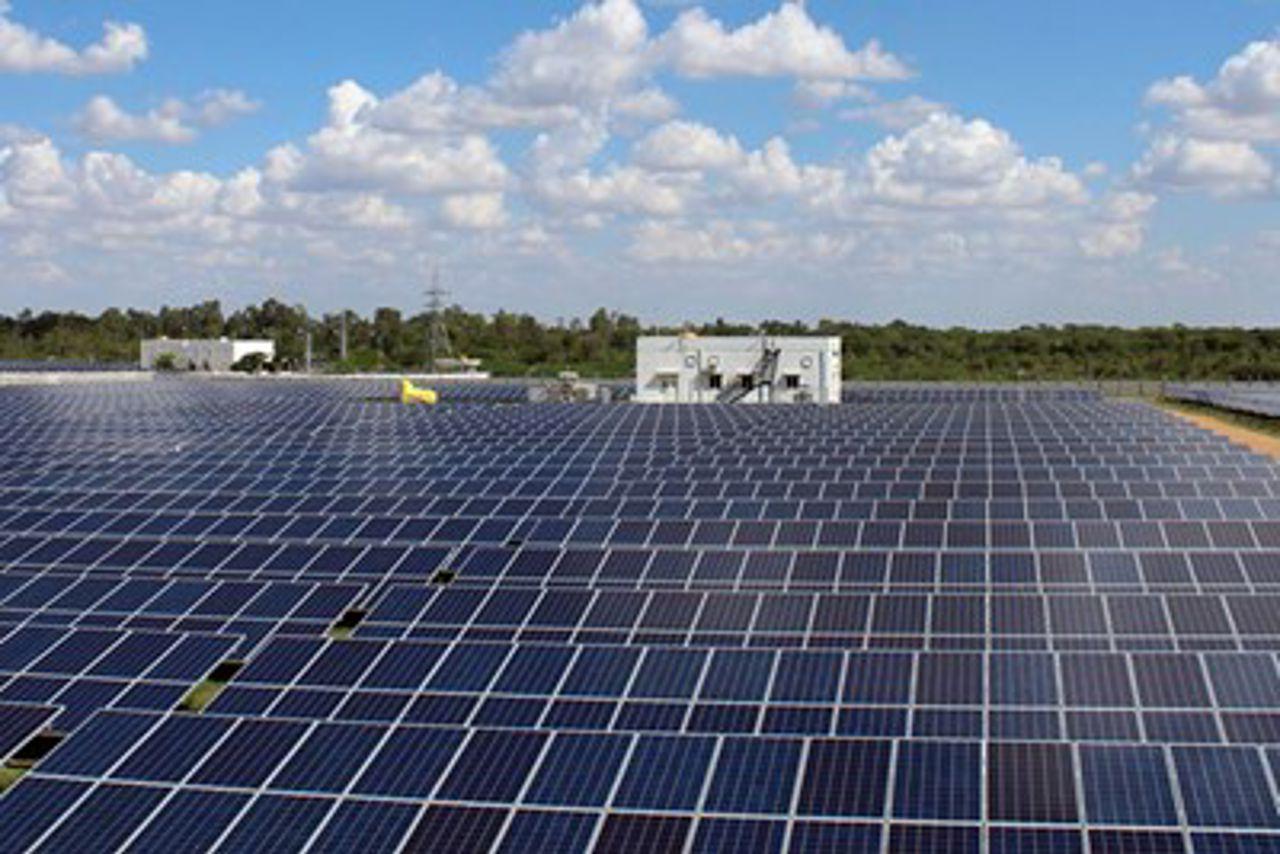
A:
[1120,229]
[685,145]
[217,107]
[600,169]
[783,43]
[659,241]
[768,172]
[474,211]
[614,190]
[102,120]
[600,51]
[947,161]
[24,51]
[436,103]
[1217,130]
[352,153]
[815,94]
[1241,102]
[107,201]
[897,115]
[1220,167]
[173,122]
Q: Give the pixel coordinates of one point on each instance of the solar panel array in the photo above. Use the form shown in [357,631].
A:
[1250,398]
[24,366]
[994,620]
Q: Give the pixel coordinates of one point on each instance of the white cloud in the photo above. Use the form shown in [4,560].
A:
[782,43]
[769,172]
[815,94]
[610,181]
[1121,226]
[615,190]
[34,178]
[1219,167]
[435,103]
[24,51]
[949,162]
[1241,102]
[647,105]
[217,107]
[684,146]
[102,120]
[474,211]
[658,241]
[350,153]
[896,115]
[173,122]
[599,52]
[17,133]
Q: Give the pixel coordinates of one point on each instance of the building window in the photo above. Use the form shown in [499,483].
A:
[747,381]
[791,381]
[715,381]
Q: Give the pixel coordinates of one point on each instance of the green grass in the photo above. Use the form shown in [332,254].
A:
[199,697]
[345,625]
[11,774]
[206,691]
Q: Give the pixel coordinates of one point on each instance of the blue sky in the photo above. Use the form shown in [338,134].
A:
[986,163]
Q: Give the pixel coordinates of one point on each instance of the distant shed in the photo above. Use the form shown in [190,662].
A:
[203,354]
[738,369]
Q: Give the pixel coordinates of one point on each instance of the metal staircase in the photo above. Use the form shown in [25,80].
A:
[764,374]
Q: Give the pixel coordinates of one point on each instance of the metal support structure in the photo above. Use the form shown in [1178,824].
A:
[438,344]
[762,376]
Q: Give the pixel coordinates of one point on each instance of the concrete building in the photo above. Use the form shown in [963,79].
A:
[747,369]
[208,354]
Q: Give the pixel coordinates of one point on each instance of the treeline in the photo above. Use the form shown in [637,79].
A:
[603,345]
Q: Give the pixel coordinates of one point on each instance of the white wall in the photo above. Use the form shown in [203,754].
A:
[677,369]
[215,354]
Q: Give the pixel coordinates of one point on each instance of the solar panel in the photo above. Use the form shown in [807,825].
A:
[931,619]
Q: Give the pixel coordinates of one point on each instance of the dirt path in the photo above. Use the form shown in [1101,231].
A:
[1262,443]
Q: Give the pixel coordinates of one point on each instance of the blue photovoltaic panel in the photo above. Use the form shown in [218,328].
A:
[191,820]
[276,822]
[170,751]
[106,739]
[934,618]
[1126,785]
[461,828]
[366,826]
[492,766]
[329,758]
[938,781]
[1225,787]
[409,763]
[754,776]
[548,831]
[108,816]
[845,778]
[579,769]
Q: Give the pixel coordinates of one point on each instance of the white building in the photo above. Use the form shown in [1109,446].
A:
[205,354]
[747,369]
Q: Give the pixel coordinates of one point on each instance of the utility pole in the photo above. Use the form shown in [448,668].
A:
[342,340]
[308,353]
[438,345]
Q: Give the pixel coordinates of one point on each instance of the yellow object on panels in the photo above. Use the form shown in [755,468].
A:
[409,393]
